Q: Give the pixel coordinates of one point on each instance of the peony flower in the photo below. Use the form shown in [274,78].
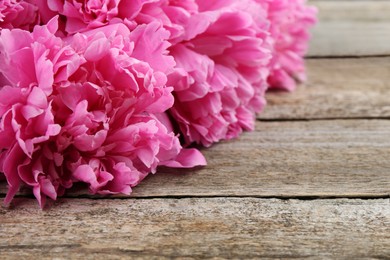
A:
[21,14]
[87,110]
[290,22]
[221,71]
[222,51]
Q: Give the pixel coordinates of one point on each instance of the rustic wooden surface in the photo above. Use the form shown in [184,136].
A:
[283,156]
[338,88]
[311,182]
[286,159]
[351,28]
[297,187]
[198,228]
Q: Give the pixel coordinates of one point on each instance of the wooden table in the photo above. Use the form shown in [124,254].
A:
[313,181]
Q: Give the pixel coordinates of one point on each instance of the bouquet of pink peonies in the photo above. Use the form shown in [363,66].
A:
[105,91]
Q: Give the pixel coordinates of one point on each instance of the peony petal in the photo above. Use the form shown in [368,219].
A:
[14,157]
[97,50]
[187,158]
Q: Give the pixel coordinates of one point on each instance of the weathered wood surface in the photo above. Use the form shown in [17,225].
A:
[337,88]
[351,28]
[279,192]
[347,158]
[198,228]
[344,158]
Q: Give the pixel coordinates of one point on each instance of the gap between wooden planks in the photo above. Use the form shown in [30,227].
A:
[198,228]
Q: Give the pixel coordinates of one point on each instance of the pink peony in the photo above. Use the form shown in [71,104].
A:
[85,109]
[21,14]
[222,51]
[221,71]
[290,23]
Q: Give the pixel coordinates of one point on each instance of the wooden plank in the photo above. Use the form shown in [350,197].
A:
[286,159]
[351,28]
[337,88]
[336,158]
[197,228]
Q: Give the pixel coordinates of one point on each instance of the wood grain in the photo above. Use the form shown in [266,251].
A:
[197,228]
[287,159]
[336,88]
[335,158]
[351,28]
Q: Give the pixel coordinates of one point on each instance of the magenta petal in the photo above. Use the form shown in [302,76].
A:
[97,50]
[37,98]
[14,157]
[187,158]
[48,189]
[43,68]
[95,177]
[150,46]
[90,142]
[37,193]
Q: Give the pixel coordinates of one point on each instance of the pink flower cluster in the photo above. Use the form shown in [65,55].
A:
[105,91]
